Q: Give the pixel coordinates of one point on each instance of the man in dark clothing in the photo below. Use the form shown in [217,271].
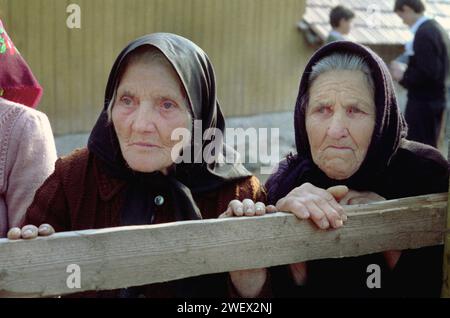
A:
[427,76]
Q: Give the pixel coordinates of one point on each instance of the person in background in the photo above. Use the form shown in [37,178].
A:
[27,147]
[426,75]
[341,22]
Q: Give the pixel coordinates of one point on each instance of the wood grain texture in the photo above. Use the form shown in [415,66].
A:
[130,256]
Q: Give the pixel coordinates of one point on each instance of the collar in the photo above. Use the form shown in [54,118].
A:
[337,34]
[418,23]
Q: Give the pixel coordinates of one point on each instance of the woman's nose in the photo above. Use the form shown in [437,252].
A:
[337,128]
[145,120]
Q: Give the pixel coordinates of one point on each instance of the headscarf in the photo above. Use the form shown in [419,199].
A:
[388,135]
[196,74]
[17,82]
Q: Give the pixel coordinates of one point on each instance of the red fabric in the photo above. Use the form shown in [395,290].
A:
[17,82]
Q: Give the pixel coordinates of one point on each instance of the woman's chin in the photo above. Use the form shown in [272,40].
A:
[145,167]
[338,174]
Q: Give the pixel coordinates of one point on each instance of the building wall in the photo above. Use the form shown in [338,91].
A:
[255,46]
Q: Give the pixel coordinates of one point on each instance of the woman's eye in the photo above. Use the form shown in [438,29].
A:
[354,110]
[127,101]
[324,109]
[168,105]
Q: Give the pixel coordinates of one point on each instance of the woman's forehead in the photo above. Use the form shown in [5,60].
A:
[351,82]
[150,76]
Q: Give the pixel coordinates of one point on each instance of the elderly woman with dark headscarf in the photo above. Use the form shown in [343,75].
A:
[351,149]
[128,174]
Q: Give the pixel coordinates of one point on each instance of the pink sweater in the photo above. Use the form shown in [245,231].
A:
[27,158]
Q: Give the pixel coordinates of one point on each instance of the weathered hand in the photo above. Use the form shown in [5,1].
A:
[247,208]
[309,201]
[29,232]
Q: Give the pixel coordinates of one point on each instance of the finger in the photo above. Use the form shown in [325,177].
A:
[332,198]
[46,230]
[29,232]
[292,205]
[236,208]
[260,208]
[346,200]
[271,209]
[338,192]
[331,214]
[339,209]
[249,207]
[14,233]
[225,214]
[317,215]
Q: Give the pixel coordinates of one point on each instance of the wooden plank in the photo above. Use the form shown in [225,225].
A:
[130,256]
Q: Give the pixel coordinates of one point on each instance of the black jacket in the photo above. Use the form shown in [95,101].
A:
[428,73]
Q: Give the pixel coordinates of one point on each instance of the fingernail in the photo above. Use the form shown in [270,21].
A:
[305,215]
[239,210]
[339,223]
[27,232]
[324,224]
[344,217]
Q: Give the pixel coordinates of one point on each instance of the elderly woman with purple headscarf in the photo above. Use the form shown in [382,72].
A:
[351,149]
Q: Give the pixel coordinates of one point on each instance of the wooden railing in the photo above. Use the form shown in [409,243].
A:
[130,256]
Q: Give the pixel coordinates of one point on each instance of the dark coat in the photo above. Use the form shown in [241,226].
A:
[426,79]
[428,69]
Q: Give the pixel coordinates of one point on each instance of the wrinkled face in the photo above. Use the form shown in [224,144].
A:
[149,105]
[340,119]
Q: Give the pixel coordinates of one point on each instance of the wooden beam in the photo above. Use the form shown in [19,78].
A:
[131,256]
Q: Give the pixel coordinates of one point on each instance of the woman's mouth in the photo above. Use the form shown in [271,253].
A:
[144,144]
[340,147]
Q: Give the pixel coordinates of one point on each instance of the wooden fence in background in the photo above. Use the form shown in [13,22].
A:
[131,256]
[255,46]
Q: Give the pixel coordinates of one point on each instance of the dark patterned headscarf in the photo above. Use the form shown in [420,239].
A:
[196,74]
